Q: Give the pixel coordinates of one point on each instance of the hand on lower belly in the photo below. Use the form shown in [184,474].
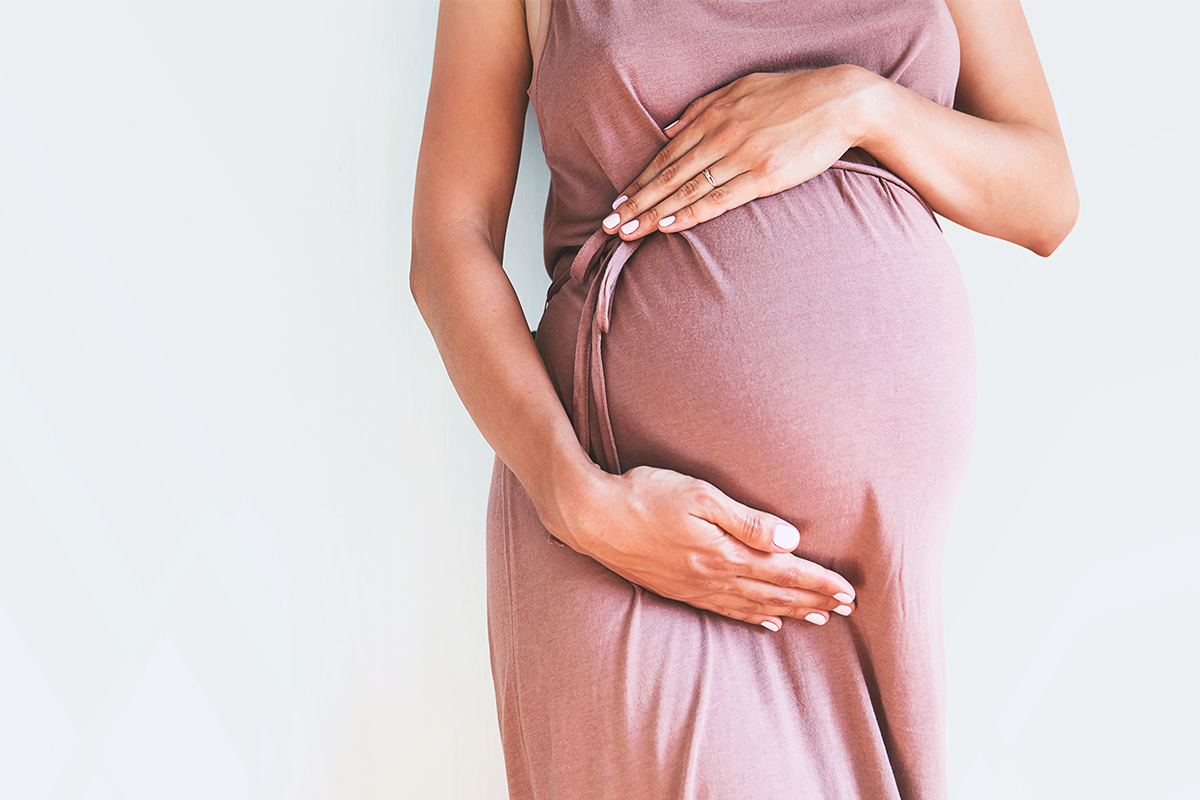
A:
[684,539]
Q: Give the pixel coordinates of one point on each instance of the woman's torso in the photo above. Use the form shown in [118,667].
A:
[809,353]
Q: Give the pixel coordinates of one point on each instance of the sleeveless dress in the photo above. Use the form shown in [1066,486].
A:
[811,354]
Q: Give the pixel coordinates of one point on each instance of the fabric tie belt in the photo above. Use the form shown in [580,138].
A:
[599,261]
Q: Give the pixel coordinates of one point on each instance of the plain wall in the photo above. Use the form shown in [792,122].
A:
[241,508]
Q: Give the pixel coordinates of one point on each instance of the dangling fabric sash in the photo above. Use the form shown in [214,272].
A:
[600,260]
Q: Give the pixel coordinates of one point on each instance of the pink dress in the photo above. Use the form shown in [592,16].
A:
[811,354]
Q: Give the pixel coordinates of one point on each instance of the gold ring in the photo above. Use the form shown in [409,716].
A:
[708,175]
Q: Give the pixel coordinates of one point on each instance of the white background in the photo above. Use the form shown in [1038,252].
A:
[241,509]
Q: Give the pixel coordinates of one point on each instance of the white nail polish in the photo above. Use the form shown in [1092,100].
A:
[619,200]
[665,221]
[611,220]
[672,125]
[629,227]
[842,597]
[843,610]
[771,626]
[815,618]
[786,537]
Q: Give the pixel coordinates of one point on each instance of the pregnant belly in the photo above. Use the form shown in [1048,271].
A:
[801,352]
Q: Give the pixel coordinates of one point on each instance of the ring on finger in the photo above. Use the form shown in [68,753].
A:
[708,176]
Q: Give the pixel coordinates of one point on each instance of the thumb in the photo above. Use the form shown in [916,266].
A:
[757,529]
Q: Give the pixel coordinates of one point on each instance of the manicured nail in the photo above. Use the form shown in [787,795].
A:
[843,610]
[629,227]
[842,597]
[786,537]
[665,221]
[672,125]
[816,619]
[620,200]
[771,626]
[611,220]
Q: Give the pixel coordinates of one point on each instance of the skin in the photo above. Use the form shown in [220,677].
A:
[996,164]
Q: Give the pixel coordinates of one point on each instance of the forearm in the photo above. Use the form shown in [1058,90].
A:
[480,331]
[1011,180]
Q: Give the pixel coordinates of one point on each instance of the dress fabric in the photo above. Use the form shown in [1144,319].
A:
[811,354]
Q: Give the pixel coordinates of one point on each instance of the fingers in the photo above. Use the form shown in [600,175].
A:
[758,529]
[758,597]
[770,622]
[805,575]
[677,164]
[691,200]
[768,579]
[713,203]
[768,614]
[694,109]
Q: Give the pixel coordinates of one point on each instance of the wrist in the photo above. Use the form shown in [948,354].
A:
[564,491]
[874,105]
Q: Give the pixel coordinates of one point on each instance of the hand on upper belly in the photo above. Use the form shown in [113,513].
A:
[684,539]
[760,135]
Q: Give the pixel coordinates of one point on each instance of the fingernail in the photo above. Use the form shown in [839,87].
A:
[672,125]
[665,221]
[771,626]
[629,227]
[620,200]
[842,597]
[611,220]
[816,619]
[786,537]
[843,610]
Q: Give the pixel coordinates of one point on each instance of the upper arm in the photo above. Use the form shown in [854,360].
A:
[1001,78]
[475,117]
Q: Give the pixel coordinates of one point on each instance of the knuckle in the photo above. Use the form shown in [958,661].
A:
[663,160]
[704,496]
[729,132]
[752,527]
[779,598]
[719,195]
[748,607]
[690,189]
[737,127]
[667,175]
[697,565]
[774,162]
[792,576]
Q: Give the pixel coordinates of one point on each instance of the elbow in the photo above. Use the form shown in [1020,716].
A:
[419,278]
[1058,225]
[418,283]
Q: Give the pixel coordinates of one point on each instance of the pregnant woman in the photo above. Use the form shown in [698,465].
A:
[726,466]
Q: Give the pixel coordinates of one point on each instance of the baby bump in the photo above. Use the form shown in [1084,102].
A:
[800,352]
